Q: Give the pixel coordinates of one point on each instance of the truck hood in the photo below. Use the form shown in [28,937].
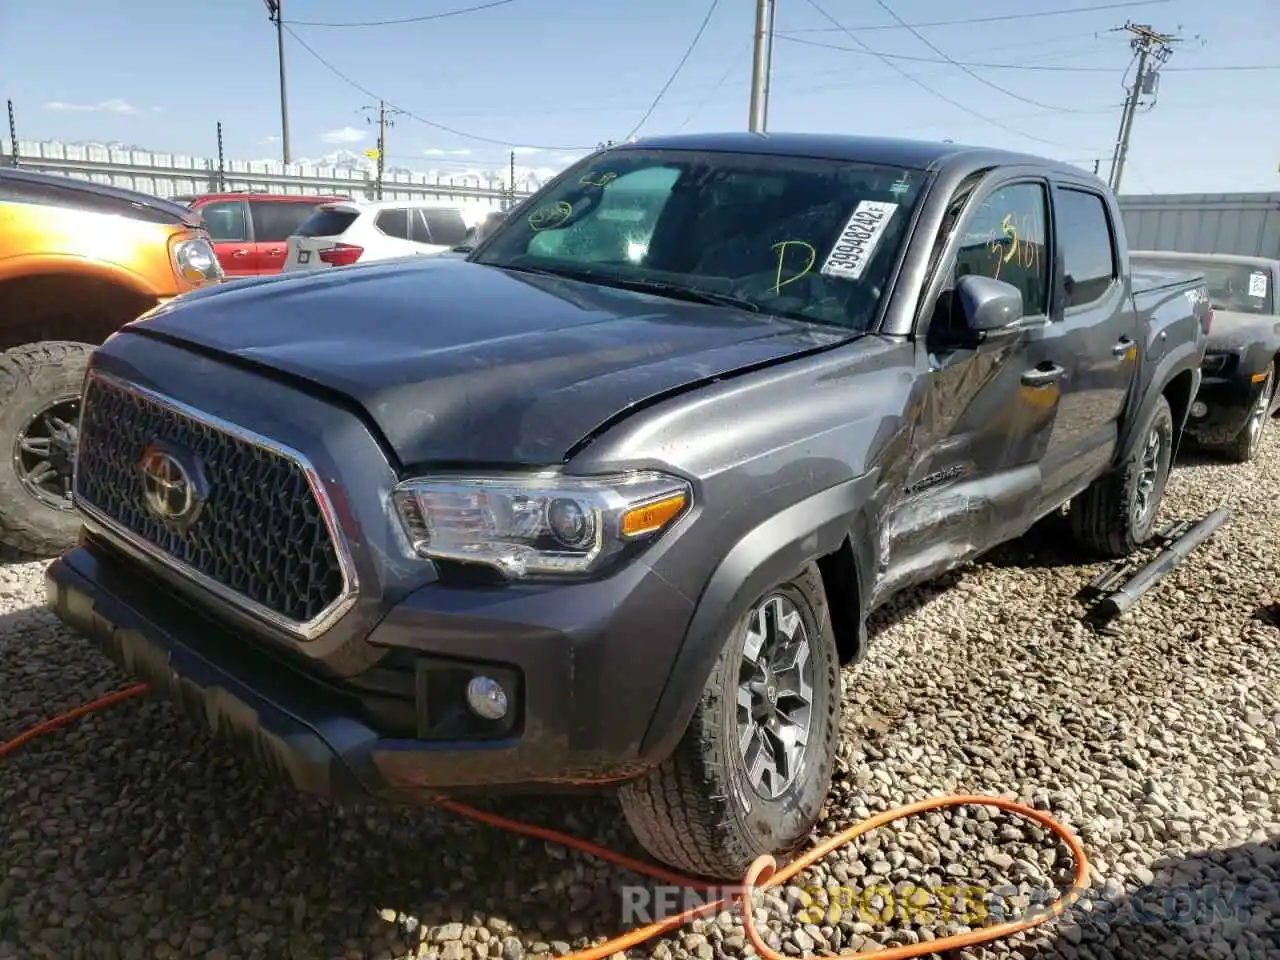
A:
[1234,332]
[456,361]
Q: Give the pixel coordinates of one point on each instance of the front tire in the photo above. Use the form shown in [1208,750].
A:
[40,385]
[1117,514]
[753,769]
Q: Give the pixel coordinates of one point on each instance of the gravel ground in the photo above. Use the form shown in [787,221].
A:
[129,835]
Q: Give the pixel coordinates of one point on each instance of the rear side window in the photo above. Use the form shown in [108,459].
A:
[225,221]
[277,222]
[1088,250]
[327,223]
[446,226]
[394,223]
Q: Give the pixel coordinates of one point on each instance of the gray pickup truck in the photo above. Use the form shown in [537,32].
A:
[608,501]
[1237,397]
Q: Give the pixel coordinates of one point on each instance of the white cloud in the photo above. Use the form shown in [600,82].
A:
[344,135]
[569,158]
[440,152]
[526,151]
[114,105]
[270,140]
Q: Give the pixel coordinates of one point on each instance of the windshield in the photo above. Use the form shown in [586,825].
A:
[810,239]
[1234,287]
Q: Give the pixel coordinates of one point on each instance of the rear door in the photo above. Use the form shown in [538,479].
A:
[392,227]
[231,231]
[274,222]
[1096,310]
[320,233]
[437,229]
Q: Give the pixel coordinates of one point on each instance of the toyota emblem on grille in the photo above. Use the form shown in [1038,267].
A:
[172,488]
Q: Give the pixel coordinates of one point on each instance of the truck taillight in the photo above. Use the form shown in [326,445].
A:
[341,255]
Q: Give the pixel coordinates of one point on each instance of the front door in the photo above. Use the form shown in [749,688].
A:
[986,415]
[228,224]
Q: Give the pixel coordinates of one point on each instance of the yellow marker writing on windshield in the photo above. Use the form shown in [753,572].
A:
[551,216]
[600,180]
[1009,229]
[778,282]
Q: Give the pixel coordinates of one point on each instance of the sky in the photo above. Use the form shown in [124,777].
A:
[550,79]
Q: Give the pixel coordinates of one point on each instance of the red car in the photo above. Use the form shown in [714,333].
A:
[249,230]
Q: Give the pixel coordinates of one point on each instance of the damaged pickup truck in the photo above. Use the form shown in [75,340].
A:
[608,501]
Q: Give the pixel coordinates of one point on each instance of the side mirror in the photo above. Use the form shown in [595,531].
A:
[988,306]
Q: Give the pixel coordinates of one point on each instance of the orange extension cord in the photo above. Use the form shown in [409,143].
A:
[762,875]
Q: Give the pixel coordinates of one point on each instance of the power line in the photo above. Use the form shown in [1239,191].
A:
[983,80]
[676,72]
[928,89]
[410,114]
[387,23]
[715,88]
[869,52]
[996,19]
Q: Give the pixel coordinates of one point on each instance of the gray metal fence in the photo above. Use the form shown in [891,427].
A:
[170,175]
[1239,223]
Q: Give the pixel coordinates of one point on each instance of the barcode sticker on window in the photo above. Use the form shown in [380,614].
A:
[858,240]
[1257,285]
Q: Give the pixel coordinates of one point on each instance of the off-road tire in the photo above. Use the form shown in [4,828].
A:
[1102,517]
[689,811]
[32,377]
[1244,448]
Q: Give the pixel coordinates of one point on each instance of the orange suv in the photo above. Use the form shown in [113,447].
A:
[78,260]
[250,230]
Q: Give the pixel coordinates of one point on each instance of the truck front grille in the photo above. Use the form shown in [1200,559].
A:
[261,534]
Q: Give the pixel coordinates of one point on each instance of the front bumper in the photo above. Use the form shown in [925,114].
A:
[571,721]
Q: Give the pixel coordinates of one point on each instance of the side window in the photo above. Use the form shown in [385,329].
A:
[394,223]
[418,231]
[1005,240]
[225,221]
[445,225]
[1088,249]
[277,222]
[618,229]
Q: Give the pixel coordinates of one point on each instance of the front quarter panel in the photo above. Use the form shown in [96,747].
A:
[786,465]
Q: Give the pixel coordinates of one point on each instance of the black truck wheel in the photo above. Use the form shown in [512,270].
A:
[1117,514]
[1248,441]
[40,386]
[753,769]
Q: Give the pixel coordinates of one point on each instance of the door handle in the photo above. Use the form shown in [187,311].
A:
[275,251]
[241,253]
[1044,375]
[1123,346]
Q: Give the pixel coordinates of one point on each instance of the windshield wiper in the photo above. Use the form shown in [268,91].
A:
[677,291]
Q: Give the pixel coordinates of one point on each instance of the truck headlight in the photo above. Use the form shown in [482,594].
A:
[537,524]
[196,262]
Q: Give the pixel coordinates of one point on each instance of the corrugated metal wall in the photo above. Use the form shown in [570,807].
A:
[1240,223]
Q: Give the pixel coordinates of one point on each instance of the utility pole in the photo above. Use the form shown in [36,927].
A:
[760,67]
[385,119]
[1153,50]
[275,10]
[511,202]
[13,136]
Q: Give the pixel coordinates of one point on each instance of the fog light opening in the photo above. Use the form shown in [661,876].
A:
[486,698]
[1199,409]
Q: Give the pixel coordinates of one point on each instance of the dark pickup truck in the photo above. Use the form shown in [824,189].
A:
[1237,395]
[607,502]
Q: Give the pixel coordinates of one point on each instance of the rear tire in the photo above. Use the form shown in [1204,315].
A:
[1117,514]
[40,386]
[702,811]
[1248,441]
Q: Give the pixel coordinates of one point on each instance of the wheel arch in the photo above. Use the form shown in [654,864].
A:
[829,528]
[67,306]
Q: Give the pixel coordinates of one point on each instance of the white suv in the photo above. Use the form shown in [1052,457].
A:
[340,234]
